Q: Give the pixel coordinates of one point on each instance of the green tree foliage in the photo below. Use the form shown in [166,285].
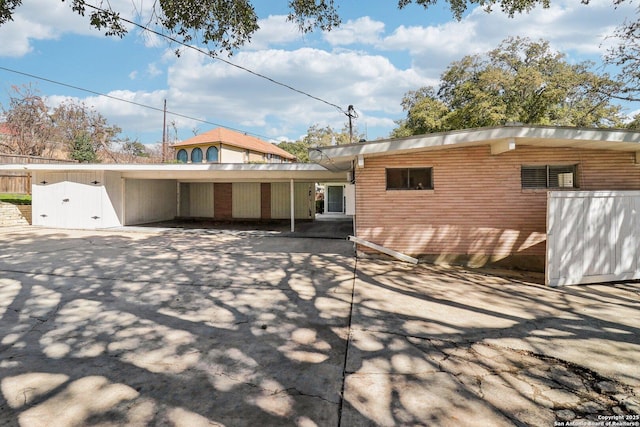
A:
[83,150]
[521,81]
[317,136]
[134,148]
[634,124]
[298,148]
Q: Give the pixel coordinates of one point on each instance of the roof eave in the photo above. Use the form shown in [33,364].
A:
[618,139]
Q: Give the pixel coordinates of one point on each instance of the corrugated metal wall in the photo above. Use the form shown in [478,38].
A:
[304,196]
[201,200]
[592,236]
[280,200]
[246,200]
[149,200]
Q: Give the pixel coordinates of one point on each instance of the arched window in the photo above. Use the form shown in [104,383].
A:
[196,155]
[212,154]
[182,156]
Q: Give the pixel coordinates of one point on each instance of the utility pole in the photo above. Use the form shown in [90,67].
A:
[351,113]
[164,134]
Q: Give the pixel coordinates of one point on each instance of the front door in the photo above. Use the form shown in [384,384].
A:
[335,199]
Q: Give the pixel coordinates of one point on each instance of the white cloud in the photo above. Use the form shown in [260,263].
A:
[201,87]
[362,30]
[225,94]
[31,23]
[153,70]
[570,26]
[450,37]
[16,35]
[274,30]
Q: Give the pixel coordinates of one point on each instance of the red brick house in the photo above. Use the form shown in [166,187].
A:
[479,196]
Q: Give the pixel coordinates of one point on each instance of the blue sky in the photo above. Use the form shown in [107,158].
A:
[378,54]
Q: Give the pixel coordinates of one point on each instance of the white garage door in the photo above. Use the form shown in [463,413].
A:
[592,236]
[68,199]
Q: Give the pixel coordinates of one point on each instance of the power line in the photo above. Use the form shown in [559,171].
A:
[197,49]
[184,116]
[208,54]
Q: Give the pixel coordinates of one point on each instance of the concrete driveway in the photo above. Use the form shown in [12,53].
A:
[188,328]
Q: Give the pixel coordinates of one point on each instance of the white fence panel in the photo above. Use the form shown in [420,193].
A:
[592,237]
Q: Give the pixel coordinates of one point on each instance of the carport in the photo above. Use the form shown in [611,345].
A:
[105,196]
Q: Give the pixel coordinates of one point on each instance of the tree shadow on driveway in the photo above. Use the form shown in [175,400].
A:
[228,329]
[448,346]
[147,329]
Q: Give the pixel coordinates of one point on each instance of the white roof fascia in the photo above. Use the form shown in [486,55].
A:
[202,172]
[610,139]
[165,167]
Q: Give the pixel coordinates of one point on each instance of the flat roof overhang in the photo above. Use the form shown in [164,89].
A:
[504,136]
[269,172]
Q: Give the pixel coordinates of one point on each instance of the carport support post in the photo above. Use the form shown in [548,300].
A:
[293,206]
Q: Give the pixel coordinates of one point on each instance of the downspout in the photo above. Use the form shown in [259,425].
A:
[355,202]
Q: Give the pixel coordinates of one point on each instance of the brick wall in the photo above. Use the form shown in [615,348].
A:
[477,213]
[265,200]
[222,200]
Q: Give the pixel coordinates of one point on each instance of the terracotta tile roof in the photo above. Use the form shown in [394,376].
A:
[235,139]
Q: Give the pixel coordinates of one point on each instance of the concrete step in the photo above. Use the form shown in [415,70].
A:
[11,215]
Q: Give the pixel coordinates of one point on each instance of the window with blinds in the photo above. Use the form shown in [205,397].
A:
[549,176]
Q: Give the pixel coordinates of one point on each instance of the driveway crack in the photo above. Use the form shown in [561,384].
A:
[349,332]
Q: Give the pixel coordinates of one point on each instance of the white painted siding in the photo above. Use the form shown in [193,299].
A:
[592,236]
[149,200]
[246,200]
[201,200]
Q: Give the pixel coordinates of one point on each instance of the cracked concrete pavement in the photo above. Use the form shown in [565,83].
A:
[171,328]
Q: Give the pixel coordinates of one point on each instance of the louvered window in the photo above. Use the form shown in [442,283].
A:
[549,176]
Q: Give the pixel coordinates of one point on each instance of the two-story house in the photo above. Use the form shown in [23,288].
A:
[222,145]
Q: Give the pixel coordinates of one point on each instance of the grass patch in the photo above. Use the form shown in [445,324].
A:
[16,199]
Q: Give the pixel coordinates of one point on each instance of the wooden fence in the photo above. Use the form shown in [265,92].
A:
[20,182]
